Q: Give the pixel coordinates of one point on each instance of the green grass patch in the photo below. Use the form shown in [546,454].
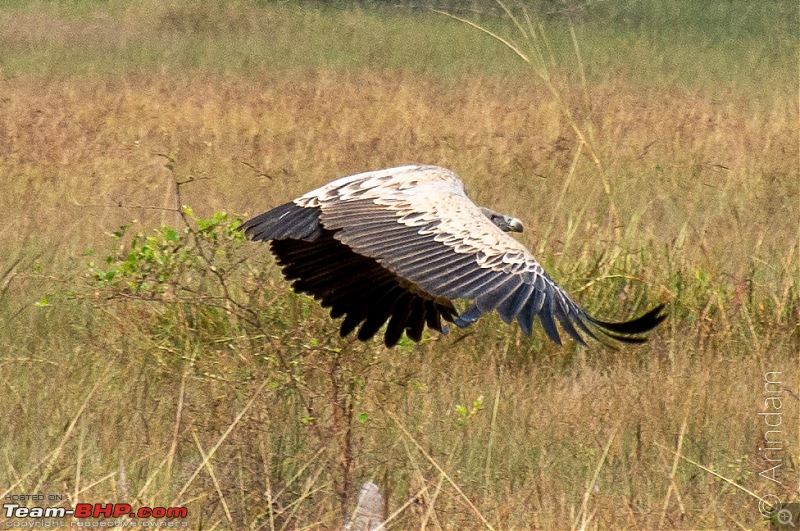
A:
[709,45]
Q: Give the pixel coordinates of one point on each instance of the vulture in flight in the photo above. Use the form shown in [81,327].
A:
[401,244]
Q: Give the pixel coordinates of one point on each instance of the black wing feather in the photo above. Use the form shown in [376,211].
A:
[546,318]
[352,285]
[285,221]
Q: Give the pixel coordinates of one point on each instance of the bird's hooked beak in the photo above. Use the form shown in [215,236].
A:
[514,225]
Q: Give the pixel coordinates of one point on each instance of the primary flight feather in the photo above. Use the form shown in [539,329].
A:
[401,244]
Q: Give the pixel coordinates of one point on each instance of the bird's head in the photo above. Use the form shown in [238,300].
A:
[503,222]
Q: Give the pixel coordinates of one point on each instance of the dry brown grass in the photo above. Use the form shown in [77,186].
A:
[699,160]
[708,193]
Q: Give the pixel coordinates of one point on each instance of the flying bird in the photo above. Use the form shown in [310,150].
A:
[402,244]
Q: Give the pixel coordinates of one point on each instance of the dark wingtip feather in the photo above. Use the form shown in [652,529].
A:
[548,323]
[378,314]
[573,319]
[350,323]
[397,323]
[468,317]
[285,221]
[416,321]
[525,325]
[561,313]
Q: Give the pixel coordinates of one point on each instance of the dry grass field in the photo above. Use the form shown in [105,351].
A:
[168,364]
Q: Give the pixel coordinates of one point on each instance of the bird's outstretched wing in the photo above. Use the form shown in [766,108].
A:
[402,244]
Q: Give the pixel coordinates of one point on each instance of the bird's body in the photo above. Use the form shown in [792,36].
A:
[402,244]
